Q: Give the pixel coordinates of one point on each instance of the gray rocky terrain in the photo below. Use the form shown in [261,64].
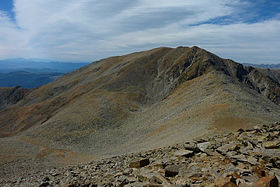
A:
[243,158]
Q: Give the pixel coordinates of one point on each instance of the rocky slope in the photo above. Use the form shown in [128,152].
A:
[274,74]
[133,103]
[10,96]
[243,158]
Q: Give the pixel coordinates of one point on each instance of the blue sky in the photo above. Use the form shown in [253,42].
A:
[7,6]
[246,31]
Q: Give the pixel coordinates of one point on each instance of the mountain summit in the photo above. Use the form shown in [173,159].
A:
[139,101]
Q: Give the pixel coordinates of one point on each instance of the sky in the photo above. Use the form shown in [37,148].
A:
[247,31]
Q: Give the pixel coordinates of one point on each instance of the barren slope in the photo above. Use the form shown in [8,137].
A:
[137,102]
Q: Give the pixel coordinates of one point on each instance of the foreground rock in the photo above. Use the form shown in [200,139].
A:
[267,181]
[139,163]
[244,158]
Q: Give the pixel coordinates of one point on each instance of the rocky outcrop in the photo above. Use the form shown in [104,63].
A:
[264,84]
[241,158]
[10,96]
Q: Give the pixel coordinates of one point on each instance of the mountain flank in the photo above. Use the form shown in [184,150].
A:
[140,79]
[131,103]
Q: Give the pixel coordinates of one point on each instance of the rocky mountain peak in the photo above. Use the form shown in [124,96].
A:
[138,102]
[146,77]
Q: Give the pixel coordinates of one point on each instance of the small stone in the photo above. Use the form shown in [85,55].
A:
[173,158]
[118,174]
[171,170]
[139,163]
[240,130]
[203,146]
[270,181]
[245,184]
[144,174]
[272,144]
[236,175]
[250,178]
[259,171]
[257,127]
[124,182]
[262,138]
[191,146]
[54,174]
[155,180]
[181,183]
[46,179]
[252,160]
[43,184]
[240,158]
[276,172]
[159,179]
[127,171]
[224,182]
[185,153]
[132,179]
[240,181]
[228,147]
[203,155]
[154,185]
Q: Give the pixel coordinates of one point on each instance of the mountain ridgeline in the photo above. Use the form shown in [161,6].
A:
[264,66]
[142,97]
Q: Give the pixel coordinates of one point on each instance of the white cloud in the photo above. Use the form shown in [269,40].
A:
[92,29]
[11,40]
[243,42]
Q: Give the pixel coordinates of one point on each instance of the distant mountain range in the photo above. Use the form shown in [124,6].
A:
[267,66]
[31,73]
[37,65]
[27,79]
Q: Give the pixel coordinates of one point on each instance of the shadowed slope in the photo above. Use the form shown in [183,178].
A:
[10,96]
